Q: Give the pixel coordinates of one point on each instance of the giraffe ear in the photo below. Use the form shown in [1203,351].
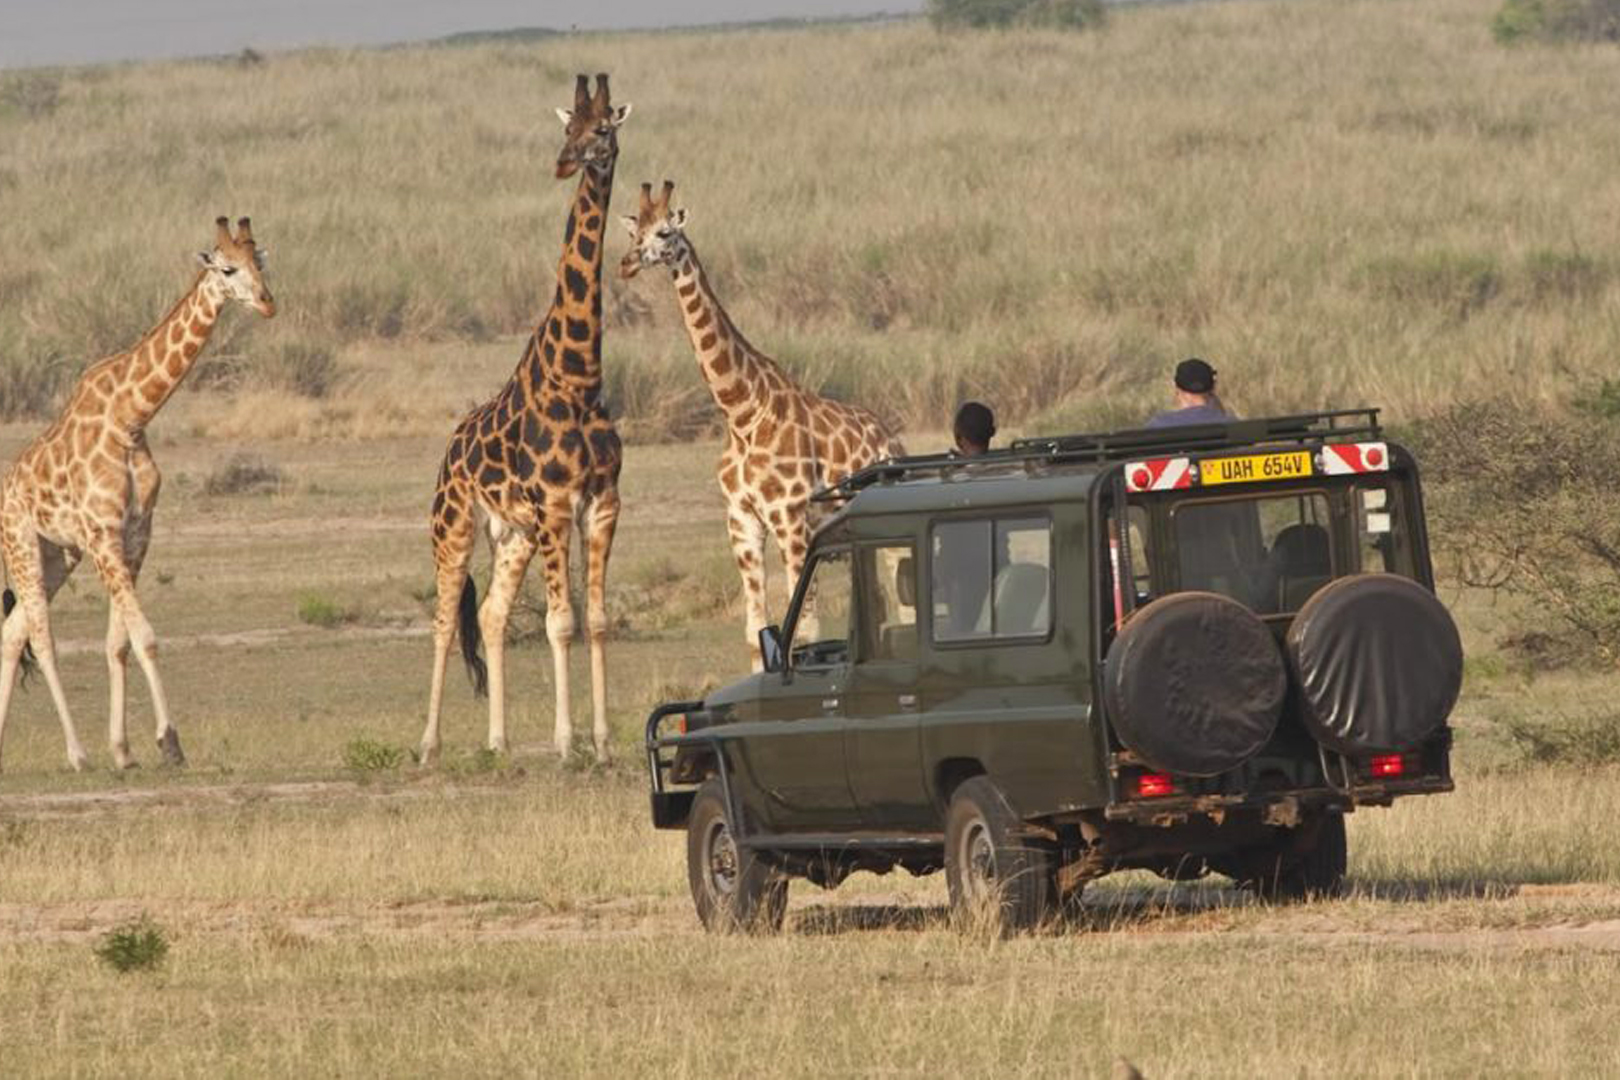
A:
[621,114]
[632,225]
[566,116]
[206,259]
[678,218]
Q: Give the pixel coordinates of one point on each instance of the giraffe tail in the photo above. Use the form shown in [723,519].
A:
[8,600]
[472,638]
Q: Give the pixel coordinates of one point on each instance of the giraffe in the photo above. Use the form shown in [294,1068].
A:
[782,441]
[88,486]
[537,458]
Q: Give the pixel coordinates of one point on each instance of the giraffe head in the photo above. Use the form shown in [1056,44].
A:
[236,267]
[655,233]
[590,128]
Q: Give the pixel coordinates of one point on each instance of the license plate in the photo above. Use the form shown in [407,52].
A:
[1252,468]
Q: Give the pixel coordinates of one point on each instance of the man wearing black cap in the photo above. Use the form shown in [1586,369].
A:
[1196,400]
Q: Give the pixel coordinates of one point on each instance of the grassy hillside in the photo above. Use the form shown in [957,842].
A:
[1336,202]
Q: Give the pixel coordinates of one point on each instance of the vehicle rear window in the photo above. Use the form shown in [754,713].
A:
[992,578]
[1269,553]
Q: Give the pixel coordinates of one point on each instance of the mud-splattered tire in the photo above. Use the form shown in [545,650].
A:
[996,878]
[732,889]
[1309,865]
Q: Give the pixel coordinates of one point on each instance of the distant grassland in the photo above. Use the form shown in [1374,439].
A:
[1335,202]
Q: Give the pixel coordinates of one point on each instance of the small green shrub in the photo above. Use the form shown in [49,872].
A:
[1458,283]
[298,367]
[139,945]
[1067,14]
[1518,21]
[33,94]
[1584,740]
[317,610]
[371,755]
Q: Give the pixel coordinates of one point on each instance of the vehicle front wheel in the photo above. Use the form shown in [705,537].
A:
[995,876]
[732,888]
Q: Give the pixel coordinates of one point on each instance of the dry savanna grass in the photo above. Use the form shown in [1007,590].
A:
[1337,202]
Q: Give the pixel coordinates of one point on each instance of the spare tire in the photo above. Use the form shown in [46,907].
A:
[1194,683]
[1378,663]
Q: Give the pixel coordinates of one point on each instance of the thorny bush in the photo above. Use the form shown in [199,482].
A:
[1526,498]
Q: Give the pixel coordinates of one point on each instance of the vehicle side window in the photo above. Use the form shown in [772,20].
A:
[888,602]
[991,579]
[1382,535]
[821,627]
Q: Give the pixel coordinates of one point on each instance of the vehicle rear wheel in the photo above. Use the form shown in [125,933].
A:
[732,888]
[1301,865]
[995,876]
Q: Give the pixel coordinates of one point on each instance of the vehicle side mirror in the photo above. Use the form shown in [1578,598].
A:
[770,648]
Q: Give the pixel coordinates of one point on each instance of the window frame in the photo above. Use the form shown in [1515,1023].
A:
[860,549]
[791,626]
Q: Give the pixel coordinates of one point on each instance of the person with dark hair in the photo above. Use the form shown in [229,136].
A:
[974,427]
[1196,399]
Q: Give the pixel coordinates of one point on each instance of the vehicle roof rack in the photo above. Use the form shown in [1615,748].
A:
[1106,447]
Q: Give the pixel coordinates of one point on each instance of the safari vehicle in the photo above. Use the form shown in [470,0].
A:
[1188,650]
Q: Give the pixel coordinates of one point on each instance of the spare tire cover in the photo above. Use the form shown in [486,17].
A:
[1378,663]
[1194,683]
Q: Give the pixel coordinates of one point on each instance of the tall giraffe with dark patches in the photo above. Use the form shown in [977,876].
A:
[782,441]
[539,457]
[88,487]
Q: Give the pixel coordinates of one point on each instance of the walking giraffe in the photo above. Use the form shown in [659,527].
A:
[539,456]
[782,441]
[88,486]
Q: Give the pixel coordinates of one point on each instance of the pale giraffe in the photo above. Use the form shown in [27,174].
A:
[537,458]
[88,485]
[782,441]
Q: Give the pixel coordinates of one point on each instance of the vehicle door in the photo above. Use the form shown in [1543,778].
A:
[882,738]
[796,760]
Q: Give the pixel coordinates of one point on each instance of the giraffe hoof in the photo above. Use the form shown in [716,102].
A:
[428,757]
[122,759]
[170,745]
[78,761]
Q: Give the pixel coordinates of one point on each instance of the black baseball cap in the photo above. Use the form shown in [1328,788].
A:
[1195,376]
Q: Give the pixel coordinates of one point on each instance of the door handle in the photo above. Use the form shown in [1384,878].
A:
[829,703]
[908,701]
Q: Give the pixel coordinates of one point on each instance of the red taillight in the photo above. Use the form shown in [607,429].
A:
[680,725]
[1387,765]
[1152,784]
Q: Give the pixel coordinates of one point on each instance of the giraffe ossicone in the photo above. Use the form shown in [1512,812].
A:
[537,459]
[783,441]
[88,486]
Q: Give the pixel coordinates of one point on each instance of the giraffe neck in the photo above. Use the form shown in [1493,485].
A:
[565,349]
[740,377]
[153,369]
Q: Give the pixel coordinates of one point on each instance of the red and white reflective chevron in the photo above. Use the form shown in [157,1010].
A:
[1159,474]
[1341,459]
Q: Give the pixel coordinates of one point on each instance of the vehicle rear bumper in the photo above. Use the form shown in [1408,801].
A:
[1279,807]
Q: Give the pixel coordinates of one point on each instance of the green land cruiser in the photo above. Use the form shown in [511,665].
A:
[1188,650]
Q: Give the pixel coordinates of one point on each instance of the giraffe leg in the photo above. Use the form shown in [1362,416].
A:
[554,536]
[513,549]
[136,541]
[106,550]
[601,523]
[747,534]
[452,551]
[36,570]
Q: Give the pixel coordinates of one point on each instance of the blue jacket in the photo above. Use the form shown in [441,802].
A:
[1196,414]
